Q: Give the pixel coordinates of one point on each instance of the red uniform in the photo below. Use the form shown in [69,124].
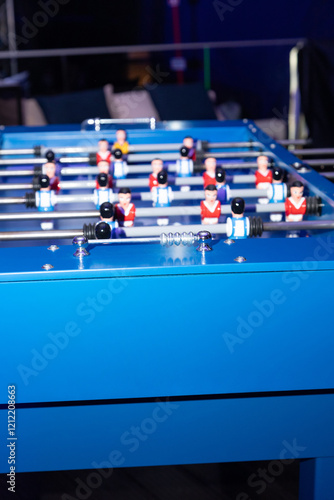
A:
[207,179]
[261,178]
[103,157]
[210,215]
[54,184]
[192,154]
[110,183]
[125,217]
[296,210]
[153,181]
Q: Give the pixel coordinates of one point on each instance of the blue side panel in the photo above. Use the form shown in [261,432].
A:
[164,433]
[119,338]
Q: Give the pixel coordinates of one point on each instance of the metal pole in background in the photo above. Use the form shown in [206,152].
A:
[11,33]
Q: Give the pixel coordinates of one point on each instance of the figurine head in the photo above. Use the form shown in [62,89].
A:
[50,156]
[103,167]
[262,162]
[220,176]
[118,155]
[107,211]
[210,193]
[278,175]
[49,169]
[44,183]
[157,165]
[102,181]
[188,142]
[184,152]
[237,207]
[162,178]
[103,145]
[297,190]
[124,197]
[120,136]
[210,164]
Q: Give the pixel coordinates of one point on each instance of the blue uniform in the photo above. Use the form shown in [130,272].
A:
[120,169]
[45,200]
[101,195]
[184,167]
[223,193]
[162,196]
[277,193]
[237,228]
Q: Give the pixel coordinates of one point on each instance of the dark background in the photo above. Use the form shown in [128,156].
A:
[257,78]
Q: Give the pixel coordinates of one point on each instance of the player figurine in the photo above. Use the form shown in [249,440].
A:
[45,199]
[103,168]
[184,165]
[223,190]
[209,176]
[295,205]
[237,226]
[107,214]
[103,153]
[210,207]
[121,142]
[277,192]
[263,176]
[120,167]
[188,142]
[162,195]
[49,168]
[157,166]
[102,193]
[125,210]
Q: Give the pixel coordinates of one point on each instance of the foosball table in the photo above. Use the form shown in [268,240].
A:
[172,338]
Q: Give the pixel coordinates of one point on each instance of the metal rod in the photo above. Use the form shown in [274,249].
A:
[12,201]
[140,212]
[40,235]
[298,226]
[328,175]
[132,183]
[165,47]
[294,142]
[140,169]
[144,196]
[153,239]
[11,32]
[23,161]
[313,152]
[74,214]
[319,163]
[16,173]
[17,187]
[149,231]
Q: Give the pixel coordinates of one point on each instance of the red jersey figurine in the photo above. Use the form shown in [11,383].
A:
[103,168]
[210,207]
[188,142]
[125,210]
[49,169]
[209,177]
[263,176]
[157,166]
[103,153]
[295,205]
